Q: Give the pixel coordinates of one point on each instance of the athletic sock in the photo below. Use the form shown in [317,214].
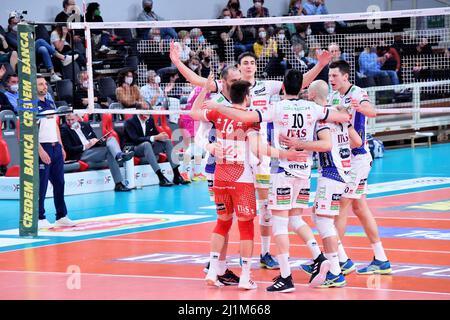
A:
[379,251]
[246,266]
[341,253]
[334,260]
[265,245]
[283,260]
[222,267]
[313,246]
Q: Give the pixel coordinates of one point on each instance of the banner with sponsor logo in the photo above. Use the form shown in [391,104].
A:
[29,159]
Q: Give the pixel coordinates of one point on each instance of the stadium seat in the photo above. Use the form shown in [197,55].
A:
[107,88]
[64,90]
[9,144]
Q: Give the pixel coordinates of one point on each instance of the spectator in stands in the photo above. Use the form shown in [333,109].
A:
[300,55]
[424,47]
[127,91]
[81,143]
[12,90]
[170,89]
[296,8]
[234,6]
[330,28]
[148,142]
[152,92]
[336,54]
[315,7]
[195,65]
[389,58]
[69,8]
[242,37]
[4,101]
[265,46]
[303,31]
[51,161]
[370,65]
[149,15]
[205,61]
[258,10]
[197,37]
[60,39]
[312,60]
[7,55]
[185,41]
[3,72]
[81,94]
[103,37]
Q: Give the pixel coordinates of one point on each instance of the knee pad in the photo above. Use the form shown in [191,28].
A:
[246,229]
[325,226]
[280,225]
[296,222]
[223,227]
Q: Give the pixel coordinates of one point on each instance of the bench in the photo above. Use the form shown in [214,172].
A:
[417,135]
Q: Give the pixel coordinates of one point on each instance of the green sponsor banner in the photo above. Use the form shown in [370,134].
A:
[29,158]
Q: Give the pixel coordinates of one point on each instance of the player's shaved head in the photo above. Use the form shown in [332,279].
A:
[318,89]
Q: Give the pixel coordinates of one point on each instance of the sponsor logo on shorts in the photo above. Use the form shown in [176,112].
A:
[344,153]
[321,194]
[335,201]
[303,196]
[361,186]
[346,164]
[283,196]
[220,207]
[210,183]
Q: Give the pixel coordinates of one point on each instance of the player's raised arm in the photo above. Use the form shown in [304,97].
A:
[197,113]
[355,139]
[324,59]
[190,75]
[338,116]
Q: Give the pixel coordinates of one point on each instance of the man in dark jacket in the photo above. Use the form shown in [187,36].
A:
[141,132]
[81,143]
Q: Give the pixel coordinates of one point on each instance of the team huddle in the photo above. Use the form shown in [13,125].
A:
[264,149]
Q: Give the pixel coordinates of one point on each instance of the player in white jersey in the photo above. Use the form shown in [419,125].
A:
[334,174]
[260,91]
[357,102]
[290,181]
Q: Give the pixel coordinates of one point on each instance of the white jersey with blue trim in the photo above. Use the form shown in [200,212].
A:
[296,119]
[359,120]
[336,163]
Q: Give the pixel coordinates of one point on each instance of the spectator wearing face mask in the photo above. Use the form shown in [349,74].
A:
[296,8]
[197,37]
[7,55]
[235,9]
[205,61]
[303,31]
[127,91]
[330,27]
[152,92]
[265,46]
[195,65]
[12,91]
[148,14]
[103,37]
[81,93]
[185,42]
[258,10]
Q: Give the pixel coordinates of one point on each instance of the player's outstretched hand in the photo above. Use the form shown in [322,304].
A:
[175,50]
[324,57]
[210,82]
[289,141]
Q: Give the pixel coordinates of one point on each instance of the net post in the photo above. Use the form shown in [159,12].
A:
[29,143]
[87,34]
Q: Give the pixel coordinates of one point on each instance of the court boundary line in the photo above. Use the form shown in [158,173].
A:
[201,279]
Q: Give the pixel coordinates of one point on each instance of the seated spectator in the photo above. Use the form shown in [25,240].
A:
[315,7]
[81,143]
[152,92]
[102,37]
[330,28]
[7,55]
[336,54]
[300,56]
[234,6]
[312,60]
[12,90]
[60,39]
[4,101]
[265,46]
[296,8]
[69,8]
[389,58]
[197,37]
[148,142]
[81,93]
[195,65]
[170,90]
[242,37]
[127,91]
[72,13]
[148,14]
[258,10]
[424,47]
[185,41]
[303,31]
[205,62]
[370,65]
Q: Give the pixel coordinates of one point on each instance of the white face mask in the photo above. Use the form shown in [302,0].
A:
[262,34]
[75,126]
[14,88]
[281,36]
[129,80]
[14,28]
[330,30]
[193,66]
[157,79]
[157,38]
[258,4]
[301,54]
[308,31]
[85,84]
[187,41]
[227,17]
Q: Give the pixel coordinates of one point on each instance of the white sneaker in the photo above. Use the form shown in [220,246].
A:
[65,222]
[68,59]
[54,77]
[45,224]
[247,284]
[211,279]
[104,48]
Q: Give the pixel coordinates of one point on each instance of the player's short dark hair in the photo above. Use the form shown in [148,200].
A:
[246,54]
[293,82]
[342,65]
[239,90]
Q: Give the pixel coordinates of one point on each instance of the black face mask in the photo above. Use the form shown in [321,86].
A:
[207,59]
[148,9]
[234,6]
